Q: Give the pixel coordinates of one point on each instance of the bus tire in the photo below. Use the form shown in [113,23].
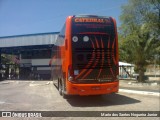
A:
[63,91]
[60,86]
[64,94]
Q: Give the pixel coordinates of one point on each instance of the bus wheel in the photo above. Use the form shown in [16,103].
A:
[60,86]
[63,94]
[63,91]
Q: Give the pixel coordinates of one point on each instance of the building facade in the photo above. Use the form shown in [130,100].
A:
[33,52]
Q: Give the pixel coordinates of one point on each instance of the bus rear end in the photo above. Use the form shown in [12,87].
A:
[94,56]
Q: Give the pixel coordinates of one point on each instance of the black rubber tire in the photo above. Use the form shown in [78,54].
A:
[60,86]
[63,91]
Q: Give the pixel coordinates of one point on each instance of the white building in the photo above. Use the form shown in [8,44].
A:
[33,50]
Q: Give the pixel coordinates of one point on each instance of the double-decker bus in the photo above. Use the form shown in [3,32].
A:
[85,56]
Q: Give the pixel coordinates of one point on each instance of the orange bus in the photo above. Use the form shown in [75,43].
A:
[85,56]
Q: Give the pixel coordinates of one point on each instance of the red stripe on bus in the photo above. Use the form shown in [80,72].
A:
[113,55]
[109,63]
[95,62]
[89,63]
[102,45]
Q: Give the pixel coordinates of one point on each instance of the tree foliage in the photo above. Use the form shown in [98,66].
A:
[6,59]
[139,33]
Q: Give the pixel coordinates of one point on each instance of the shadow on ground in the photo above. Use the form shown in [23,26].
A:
[99,100]
[103,100]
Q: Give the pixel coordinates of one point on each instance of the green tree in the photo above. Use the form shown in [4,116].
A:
[6,59]
[140,39]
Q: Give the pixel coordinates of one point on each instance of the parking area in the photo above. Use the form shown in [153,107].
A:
[18,95]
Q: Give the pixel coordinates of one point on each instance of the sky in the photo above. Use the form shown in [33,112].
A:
[18,17]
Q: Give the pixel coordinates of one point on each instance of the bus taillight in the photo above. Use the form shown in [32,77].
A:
[70,73]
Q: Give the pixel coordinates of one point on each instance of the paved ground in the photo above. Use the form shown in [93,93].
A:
[43,96]
[151,85]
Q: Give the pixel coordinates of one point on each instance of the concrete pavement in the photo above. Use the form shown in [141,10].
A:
[148,88]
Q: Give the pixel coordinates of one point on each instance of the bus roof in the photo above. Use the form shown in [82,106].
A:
[95,16]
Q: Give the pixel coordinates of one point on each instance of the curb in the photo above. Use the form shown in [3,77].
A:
[140,92]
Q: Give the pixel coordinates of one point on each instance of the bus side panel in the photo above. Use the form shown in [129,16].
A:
[117,52]
[63,60]
[68,49]
[116,37]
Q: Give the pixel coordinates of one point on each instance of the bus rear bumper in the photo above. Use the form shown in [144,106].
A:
[92,89]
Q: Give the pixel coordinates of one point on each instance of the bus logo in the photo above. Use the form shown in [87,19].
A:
[96,20]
